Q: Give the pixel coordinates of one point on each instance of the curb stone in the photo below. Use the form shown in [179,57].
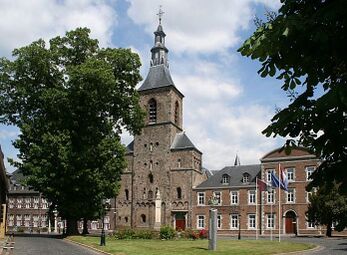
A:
[309,251]
[87,246]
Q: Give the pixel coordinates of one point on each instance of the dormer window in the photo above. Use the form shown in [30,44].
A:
[152,111]
[225,179]
[245,178]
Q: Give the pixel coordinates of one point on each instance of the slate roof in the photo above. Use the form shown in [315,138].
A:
[235,173]
[16,185]
[158,77]
[182,142]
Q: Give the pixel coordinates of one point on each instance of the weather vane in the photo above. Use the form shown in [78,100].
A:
[160,14]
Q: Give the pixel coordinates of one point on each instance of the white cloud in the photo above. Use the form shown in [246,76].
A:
[25,21]
[198,25]
[219,119]
[8,134]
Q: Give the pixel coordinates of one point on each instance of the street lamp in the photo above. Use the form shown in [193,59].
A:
[239,236]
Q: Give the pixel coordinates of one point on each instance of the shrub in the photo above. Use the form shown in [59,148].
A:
[20,230]
[126,233]
[167,232]
[203,234]
[191,234]
[144,234]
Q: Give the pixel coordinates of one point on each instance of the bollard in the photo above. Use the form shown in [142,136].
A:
[212,230]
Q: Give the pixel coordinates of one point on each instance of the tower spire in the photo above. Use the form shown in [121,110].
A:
[159,51]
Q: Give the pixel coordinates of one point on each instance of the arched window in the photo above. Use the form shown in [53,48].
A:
[143,218]
[152,111]
[176,113]
[150,177]
[126,194]
[150,165]
[179,193]
[126,219]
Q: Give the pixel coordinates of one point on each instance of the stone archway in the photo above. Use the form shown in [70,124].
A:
[290,222]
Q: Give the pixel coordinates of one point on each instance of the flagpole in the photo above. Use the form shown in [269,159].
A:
[279,202]
[271,213]
[256,208]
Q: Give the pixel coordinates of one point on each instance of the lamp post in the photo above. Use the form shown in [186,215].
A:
[105,206]
[239,235]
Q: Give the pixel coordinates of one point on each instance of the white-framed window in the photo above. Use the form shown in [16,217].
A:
[106,223]
[251,197]
[270,196]
[225,179]
[218,196]
[310,224]
[200,222]
[219,221]
[18,220]
[201,198]
[11,220]
[245,178]
[270,220]
[234,221]
[11,203]
[291,196]
[309,170]
[94,225]
[308,194]
[290,174]
[251,221]
[234,197]
[268,174]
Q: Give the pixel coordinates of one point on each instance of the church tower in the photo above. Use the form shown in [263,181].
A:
[163,164]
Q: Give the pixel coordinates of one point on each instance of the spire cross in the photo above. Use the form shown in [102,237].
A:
[160,14]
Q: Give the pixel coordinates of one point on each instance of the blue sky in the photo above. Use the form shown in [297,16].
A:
[227,104]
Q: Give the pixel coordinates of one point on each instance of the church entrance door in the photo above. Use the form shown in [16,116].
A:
[180,219]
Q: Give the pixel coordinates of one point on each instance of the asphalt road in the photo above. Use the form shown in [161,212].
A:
[36,245]
[330,246]
[48,246]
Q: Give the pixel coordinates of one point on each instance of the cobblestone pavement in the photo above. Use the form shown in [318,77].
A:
[48,246]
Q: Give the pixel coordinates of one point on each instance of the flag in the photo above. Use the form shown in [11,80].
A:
[275,182]
[283,180]
[261,185]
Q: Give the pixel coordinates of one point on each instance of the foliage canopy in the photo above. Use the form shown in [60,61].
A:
[304,46]
[328,206]
[71,101]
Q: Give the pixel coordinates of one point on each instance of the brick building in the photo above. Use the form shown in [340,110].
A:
[27,209]
[163,164]
[241,208]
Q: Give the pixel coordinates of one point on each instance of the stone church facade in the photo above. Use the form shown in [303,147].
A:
[163,164]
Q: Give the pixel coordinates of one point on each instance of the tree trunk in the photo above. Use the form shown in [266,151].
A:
[85,227]
[329,230]
[71,228]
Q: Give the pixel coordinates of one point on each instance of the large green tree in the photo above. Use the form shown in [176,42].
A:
[71,100]
[304,46]
[328,206]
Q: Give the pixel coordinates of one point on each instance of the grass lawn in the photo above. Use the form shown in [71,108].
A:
[189,247]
